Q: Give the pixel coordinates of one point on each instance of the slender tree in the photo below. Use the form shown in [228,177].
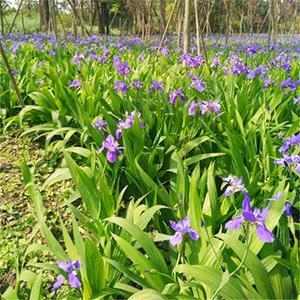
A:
[186,27]
[162,21]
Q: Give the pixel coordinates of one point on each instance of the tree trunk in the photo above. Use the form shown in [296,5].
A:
[242,19]
[270,27]
[74,25]
[276,19]
[44,15]
[186,27]
[162,23]
[23,24]
[227,16]
[197,26]
[98,16]
[179,23]
[104,18]
[2,16]
[53,17]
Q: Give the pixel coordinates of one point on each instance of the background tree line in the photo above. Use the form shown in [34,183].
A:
[149,17]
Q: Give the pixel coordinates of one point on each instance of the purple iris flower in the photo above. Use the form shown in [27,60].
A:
[102,59]
[237,65]
[112,147]
[165,51]
[137,84]
[235,185]
[291,141]
[192,61]
[251,74]
[181,228]
[297,100]
[156,85]
[215,62]
[256,217]
[292,161]
[117,61]
[52,53]
[175,94]
[77,58]
[211,106]
[252,49]
[120,87]
[267,82]
[288,208]
[69,267]
[127,123]
[276,197]
[123,68]
[289,83]
[198,84]
[192,109]
[75,83]
[100,124]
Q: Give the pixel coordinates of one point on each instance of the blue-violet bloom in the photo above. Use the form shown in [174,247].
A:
[181,228]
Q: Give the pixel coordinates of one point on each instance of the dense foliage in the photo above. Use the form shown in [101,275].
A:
[186,168]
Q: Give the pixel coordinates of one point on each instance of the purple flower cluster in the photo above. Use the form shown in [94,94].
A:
[123,68]
[100,124]
[110,143]
[282,60]
[235,185]
[69,267]
[156,85]
[100,58]
[210,106]
[181,228]
[112,147]
[176,94]
[215,62]
[165,51]
[77,58]
[120,87]
[256,217]
[251,49]
[290,142]
[237,66]
[297,100]
[75,83]
[127,123]
[267,82]
[289,84]
[290,160]
[192,61]
[197,83]
[137,84]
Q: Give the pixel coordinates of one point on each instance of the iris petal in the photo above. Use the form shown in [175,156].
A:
[235,223]
[264,234]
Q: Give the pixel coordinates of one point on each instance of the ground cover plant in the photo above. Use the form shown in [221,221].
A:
[184,168]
